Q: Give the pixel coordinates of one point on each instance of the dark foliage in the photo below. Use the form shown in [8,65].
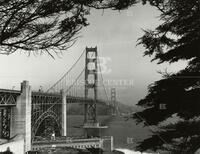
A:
[174,137]
[177,38]
[46,25]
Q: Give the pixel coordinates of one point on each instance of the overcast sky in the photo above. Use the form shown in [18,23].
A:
[115,34]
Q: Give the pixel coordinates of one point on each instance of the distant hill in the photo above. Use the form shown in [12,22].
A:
[123,108]
[77,109]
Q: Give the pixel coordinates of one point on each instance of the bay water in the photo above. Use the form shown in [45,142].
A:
[126,133]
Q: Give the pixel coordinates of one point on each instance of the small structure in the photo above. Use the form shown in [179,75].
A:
[93,130]
[53,136]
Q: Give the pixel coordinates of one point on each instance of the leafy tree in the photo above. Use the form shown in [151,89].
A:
[177,38]
[46,25]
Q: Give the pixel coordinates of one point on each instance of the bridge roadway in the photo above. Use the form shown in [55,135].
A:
[8,98]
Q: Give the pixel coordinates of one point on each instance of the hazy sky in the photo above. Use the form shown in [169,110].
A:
[115,34]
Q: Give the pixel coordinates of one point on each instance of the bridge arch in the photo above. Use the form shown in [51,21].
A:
[52,116]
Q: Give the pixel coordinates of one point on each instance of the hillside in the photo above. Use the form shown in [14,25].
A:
[77,109]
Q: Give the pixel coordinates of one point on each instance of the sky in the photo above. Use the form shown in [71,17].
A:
[115,34]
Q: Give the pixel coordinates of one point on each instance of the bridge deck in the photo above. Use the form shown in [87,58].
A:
[10,91]
[8,97]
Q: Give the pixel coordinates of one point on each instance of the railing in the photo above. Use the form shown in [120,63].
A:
[10,91]
[74,143]
[69,140]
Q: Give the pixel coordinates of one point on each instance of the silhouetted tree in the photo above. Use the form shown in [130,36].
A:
[46,25]
[177,38]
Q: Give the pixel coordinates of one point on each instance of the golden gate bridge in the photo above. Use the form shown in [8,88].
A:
[30,113]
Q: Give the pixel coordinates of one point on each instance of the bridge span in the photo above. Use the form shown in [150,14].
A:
[25,111]
[33,113]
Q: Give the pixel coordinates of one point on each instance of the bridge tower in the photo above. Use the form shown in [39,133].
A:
[91,79]
[91,126]
[114,102]
[21,116]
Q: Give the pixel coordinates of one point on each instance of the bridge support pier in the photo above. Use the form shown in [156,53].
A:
[64,113]
[21,116]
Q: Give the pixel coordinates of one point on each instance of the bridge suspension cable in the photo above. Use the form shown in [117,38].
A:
[52,88]
[73,85]
[101,75]
[71,90]
[70,87]
[60,83]
[75,81]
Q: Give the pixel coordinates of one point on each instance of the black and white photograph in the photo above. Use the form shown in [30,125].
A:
[99,76]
